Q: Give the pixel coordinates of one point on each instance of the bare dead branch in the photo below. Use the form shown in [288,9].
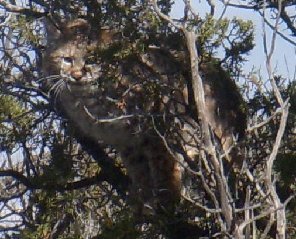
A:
[277,204]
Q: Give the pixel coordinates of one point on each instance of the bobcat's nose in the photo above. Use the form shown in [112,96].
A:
[77,75]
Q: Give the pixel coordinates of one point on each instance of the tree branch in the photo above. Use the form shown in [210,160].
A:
[17,9]
[277,204]
[271,5]
[32,183]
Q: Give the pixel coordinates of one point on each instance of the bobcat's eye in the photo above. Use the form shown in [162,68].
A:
[68,60]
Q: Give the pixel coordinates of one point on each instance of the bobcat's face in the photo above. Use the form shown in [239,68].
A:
[74,63]
[69,56]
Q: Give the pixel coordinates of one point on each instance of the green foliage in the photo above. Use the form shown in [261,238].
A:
[11,109]
[212,33]
[291,93]
[27,28]
[122,226]
[241,39]
[14,122]
[59,170]
[285,167]
[154,22]
[236,36]
[285,164]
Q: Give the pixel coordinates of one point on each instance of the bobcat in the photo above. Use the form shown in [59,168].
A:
[124,104]
[111,112]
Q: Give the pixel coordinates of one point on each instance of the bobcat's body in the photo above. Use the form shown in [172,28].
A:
[127,104]
[113,112]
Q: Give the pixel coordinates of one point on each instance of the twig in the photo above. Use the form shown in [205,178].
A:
[278,32]
[210,210]
[17,9]
[189,8]
[278,139]
[258,187]
[268,226]
[212,5]
[266,121]
[118,118]
[164,16]
[170,150]
[248,207]
[262,215]
[4,23]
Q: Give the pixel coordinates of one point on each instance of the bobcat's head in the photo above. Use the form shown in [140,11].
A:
[69,56]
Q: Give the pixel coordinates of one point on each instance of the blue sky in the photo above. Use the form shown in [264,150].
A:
[284,58]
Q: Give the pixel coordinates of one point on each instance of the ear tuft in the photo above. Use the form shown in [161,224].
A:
[52,30]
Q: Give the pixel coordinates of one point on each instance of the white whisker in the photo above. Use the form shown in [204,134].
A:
[59,88]
[51,77]
[61,85]
[53,86]
[56,89]
[58,92]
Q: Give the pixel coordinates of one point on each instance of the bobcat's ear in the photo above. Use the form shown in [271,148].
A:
[51,29]
[76,29]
